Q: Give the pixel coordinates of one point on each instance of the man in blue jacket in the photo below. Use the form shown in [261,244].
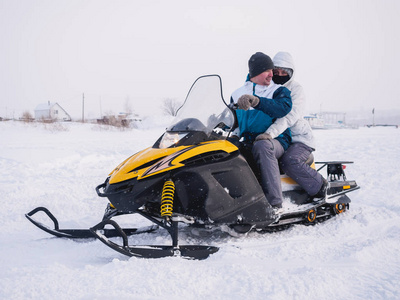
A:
[261,102]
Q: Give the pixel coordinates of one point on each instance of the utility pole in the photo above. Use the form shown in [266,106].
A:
[83,108]
[101,112]
[373,117]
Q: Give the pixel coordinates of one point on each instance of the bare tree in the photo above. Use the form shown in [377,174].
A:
[171,106]
[27,116]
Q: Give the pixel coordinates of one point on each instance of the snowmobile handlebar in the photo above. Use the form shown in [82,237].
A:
[233,106]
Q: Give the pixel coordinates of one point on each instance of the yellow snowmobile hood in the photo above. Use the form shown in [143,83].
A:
[152,161]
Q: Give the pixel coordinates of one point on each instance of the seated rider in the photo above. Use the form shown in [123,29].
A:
[261,102]
[294,160]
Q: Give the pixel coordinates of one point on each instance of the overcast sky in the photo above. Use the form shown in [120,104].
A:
[141,52]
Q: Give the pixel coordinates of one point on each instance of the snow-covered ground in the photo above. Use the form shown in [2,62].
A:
[355,255]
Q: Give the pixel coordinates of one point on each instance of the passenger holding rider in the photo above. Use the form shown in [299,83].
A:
[293,161]
[260,102]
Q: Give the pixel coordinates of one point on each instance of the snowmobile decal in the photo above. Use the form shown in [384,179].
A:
[176,160]
[135,165]
[165,164]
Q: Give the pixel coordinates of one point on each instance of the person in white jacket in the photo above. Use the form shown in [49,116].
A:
[293,161]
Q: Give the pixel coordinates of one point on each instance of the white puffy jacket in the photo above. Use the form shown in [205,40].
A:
[300,128]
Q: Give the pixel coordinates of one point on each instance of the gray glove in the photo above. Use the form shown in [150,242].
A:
[245,101]
[263,136]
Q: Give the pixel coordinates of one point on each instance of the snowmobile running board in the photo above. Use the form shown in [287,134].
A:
[80,233]
[153,251]
[340,194]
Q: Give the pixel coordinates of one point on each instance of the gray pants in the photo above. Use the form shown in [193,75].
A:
[293,163]
[266,154]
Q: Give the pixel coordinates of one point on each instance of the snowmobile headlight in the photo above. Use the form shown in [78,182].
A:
[171,138]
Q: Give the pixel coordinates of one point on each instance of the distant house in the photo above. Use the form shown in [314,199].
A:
[315,121]
[51,111]
[329,120]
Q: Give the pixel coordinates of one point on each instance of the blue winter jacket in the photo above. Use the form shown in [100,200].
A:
[256,121]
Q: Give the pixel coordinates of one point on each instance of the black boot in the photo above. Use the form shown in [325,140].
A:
[322,191]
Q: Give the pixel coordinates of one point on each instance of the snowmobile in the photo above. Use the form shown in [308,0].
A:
[194,175]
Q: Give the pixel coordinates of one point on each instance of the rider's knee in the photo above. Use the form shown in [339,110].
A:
[263,146]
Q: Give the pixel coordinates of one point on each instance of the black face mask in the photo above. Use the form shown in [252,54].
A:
[280,79]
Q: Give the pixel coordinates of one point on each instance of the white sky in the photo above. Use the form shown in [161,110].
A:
[346,51]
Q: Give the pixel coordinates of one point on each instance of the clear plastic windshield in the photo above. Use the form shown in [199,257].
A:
[204,109]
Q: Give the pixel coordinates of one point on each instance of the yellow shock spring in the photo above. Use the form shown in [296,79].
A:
[167,199]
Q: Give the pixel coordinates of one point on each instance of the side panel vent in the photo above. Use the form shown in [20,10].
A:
[208,157]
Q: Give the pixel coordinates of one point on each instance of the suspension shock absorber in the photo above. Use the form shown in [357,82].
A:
[167,198]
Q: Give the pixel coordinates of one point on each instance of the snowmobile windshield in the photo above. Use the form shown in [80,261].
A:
[204,110]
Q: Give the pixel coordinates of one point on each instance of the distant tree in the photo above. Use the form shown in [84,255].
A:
[27,116]
[111,119]
[171,106]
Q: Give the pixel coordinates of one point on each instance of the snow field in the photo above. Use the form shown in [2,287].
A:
[352,256]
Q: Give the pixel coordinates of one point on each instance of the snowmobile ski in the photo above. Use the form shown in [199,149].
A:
[79,233]
[153,251]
